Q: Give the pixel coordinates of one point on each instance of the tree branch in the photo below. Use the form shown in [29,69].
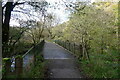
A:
[4,6]
[24,13]
[18,3]
[19,37]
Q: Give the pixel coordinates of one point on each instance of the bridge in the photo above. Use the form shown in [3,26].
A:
[60,62]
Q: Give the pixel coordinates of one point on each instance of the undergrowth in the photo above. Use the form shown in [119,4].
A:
[101,66]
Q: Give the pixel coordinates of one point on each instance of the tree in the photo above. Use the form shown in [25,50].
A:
[7,9]
[91,27]
[35,31]
[50,18]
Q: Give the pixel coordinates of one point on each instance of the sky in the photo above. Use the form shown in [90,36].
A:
[60,12]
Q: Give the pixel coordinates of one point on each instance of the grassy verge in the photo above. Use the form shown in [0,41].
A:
[100,66]
[37,70]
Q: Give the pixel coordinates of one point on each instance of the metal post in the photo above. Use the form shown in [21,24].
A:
[69,46]
[81,50]
[63,44]
[66,45]
[74,48]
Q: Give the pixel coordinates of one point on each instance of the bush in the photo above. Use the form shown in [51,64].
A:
[37,70]
[100,66]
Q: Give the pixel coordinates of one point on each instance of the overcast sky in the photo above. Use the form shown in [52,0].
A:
[59,10]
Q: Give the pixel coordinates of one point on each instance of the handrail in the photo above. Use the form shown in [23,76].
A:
[31,48]
[28,51]
[77,48]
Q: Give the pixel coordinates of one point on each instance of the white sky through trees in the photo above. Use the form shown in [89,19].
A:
[59,10]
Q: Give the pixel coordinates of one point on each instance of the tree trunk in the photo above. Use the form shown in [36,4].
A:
[5,26]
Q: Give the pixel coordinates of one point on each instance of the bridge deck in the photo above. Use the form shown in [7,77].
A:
[61,64]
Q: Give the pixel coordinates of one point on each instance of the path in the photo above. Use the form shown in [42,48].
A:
[61,64]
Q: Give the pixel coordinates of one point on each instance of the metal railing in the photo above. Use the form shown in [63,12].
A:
[73,47]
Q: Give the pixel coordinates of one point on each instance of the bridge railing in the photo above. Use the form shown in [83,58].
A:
[73,47]
[24,63]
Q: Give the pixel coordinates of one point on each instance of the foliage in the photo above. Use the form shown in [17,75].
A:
[38,68]
[37,71]
[35,31]
[94,27]
[8,9]
[15,34]
[100,66]
[4,61]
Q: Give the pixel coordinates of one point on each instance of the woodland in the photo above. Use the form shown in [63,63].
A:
[95,26]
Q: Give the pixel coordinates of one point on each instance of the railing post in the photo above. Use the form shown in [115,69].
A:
[57,42]
[19,66]
[74,48]
[65,44]
[62,44]
[81,50]
[69,46]
[34,59]
[7,66]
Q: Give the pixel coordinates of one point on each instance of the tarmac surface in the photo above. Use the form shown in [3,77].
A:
[60,63]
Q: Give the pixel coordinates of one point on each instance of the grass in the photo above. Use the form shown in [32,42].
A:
[50,41]
[100,66]
[37,70]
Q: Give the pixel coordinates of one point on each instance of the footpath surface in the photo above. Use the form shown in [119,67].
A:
[60,63]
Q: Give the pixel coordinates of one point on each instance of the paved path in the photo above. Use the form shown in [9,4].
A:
[61,64]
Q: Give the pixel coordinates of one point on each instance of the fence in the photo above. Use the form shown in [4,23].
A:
[80,51]
[22,64]
[73,47]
